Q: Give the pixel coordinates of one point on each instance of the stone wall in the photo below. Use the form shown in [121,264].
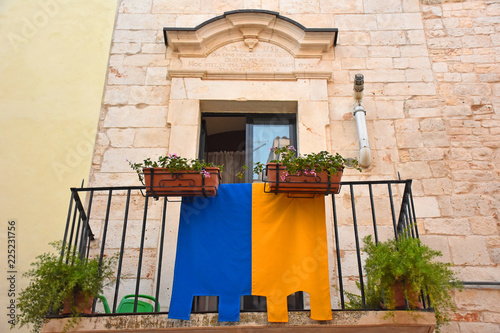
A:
[463,42]
[432,96]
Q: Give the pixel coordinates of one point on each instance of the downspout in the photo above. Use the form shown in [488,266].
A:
[359,113]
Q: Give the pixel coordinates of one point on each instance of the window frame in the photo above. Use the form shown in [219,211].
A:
[252,119]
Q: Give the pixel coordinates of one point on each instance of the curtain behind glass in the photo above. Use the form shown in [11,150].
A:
[233,162]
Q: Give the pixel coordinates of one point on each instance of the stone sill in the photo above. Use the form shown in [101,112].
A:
[343,321]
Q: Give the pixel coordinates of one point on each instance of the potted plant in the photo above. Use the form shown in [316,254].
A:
[56,282]
[173,175]
[400,269]
[316,173]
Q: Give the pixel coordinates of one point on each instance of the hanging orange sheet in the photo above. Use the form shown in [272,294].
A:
[289,252]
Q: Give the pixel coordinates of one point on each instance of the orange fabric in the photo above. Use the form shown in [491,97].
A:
[289,252]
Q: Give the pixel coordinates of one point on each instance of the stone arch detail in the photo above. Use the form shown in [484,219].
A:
[249,36]
[251,26]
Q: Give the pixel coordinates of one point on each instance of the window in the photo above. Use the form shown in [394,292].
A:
[236,139]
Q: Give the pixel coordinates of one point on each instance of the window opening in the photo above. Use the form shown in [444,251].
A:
[234,140]
[223,143]
[265,132]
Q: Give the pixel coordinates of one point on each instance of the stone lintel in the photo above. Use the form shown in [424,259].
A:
[209,75]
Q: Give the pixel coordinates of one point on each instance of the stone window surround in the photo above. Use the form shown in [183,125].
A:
[192,96]
[196,91]
[307,86]
[188,94]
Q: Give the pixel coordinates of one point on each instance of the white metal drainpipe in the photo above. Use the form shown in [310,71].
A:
[359,113]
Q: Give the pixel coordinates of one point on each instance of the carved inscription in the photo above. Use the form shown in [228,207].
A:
[237,57]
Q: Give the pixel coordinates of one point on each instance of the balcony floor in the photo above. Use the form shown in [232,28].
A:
[250,322]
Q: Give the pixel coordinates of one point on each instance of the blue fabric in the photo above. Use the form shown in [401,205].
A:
[214,249]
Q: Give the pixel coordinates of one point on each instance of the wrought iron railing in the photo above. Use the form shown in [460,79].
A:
[103,221]
[406,222]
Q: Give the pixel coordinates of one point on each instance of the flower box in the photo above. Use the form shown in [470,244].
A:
[279,181]
[162,182]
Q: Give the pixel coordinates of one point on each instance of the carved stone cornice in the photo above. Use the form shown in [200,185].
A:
[250,44]
[240,25]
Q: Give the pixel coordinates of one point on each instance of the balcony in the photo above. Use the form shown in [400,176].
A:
[108,220]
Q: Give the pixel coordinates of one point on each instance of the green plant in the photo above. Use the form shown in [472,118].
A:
[241,174]
[55,279]
[309,164]
[413,264]
[172,163]
[373,298]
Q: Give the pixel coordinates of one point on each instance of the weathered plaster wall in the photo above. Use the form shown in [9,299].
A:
[432,97]
[53,63]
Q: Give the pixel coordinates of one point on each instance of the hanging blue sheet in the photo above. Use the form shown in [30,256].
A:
[214,250]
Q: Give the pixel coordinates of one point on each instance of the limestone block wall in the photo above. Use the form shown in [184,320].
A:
[432,95]
[462,39]
[433,115]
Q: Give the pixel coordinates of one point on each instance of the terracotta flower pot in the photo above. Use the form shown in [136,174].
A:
[399,297]
[161,182]
[82,303]
[281,182]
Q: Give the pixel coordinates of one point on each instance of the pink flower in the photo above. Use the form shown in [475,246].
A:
[310,172]
[205,173]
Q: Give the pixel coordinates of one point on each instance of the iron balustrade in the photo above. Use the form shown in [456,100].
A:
[357,210]
[404,225]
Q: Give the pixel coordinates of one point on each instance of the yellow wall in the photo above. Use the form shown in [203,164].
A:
[53,59]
